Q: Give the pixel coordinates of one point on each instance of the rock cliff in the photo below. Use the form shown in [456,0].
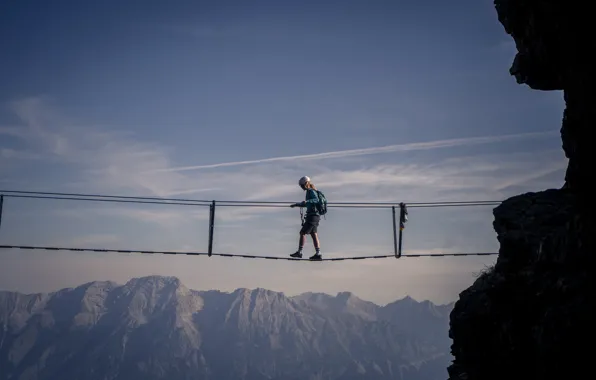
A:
[532,315]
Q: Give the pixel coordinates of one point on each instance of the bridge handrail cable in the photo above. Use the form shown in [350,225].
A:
[235,203]
[211,204]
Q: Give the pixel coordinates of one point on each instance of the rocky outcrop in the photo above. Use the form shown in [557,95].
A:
[529,316]
[532,315]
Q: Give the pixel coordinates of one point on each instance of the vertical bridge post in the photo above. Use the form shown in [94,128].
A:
[211,226]
[1,203]
[402,220]
[394,232]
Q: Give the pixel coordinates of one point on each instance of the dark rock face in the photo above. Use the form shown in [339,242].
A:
[532,315]
[528,316]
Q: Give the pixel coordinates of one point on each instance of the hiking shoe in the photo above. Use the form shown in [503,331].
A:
[297,255]
[316,257]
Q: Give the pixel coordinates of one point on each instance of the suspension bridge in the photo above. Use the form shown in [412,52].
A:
[399,215]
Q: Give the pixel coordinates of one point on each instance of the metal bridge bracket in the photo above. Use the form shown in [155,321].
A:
[1,204]
[394,232]
[211,226]
[403,218]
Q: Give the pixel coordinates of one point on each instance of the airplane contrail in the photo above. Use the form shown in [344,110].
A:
[368,151]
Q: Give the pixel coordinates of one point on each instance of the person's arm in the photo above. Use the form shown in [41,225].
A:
[311,197]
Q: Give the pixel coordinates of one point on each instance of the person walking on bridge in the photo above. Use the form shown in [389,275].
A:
[311,219]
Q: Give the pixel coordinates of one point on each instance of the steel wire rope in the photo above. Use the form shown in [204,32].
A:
[227,203]
[102,200]
[238,255]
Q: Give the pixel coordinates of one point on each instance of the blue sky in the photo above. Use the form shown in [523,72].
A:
[375,101]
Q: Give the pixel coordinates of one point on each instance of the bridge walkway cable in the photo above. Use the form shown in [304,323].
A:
[397,220]
[237,255]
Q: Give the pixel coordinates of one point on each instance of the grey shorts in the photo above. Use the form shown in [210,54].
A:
[311,223]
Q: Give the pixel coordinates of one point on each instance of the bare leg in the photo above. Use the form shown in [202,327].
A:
[301,241]
[315,240]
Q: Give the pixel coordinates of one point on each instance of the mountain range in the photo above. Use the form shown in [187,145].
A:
[156,328]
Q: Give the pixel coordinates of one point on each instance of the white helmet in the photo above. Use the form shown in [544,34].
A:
[303,181]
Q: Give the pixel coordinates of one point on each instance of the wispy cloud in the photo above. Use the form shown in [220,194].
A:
[103,160]
[91,240]
[549,168]
[160,216]
[118,162]
[12,131]
[165,216]
[428,145]
[15,154]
